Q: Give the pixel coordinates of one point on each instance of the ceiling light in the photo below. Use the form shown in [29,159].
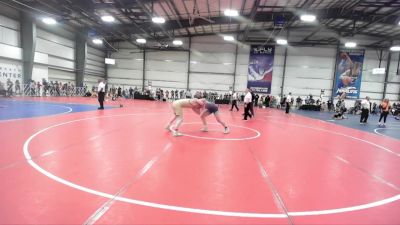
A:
[49,21]
[378,71]
[395,48]
[281,42]
[229,38]
[177,42]
[141,40]
[97,41]
[350,44]
[109,61]
[158,20]
[308,18]
[193,62]
[231,12]
[108,19]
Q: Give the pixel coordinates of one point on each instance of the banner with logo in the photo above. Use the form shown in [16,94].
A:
[10,73]
[261,63]
[349,73]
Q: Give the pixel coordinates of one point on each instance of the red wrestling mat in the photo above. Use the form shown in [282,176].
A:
[120,166]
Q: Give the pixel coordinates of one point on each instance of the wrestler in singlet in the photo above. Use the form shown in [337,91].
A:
[178,105]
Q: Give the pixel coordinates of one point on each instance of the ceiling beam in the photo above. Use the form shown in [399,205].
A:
[395,12]
[252,16]
[149,15]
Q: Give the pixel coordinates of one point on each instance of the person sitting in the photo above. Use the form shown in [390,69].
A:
[340,110]
[330,105]
[2,89]
[298,102]
[88,94]
[323,106]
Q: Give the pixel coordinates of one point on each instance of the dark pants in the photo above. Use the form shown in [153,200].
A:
[246,111]
[101,99]
[364,115]
[234,104]
[9,91]
[287,107]
[251,105]
[384,116]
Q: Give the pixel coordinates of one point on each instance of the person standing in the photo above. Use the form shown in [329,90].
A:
[364,110]
[101,91]
[256,97]
[247,104]
[17,87]
[177,108]
[253,98]
[288,102]
[208,109]
[234,101]
[278,101]
[10,85]
[131,93]
[385,107]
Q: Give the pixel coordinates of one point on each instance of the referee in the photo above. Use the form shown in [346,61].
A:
[101,93]
[247,104]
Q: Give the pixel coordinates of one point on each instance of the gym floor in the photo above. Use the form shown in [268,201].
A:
[65,162]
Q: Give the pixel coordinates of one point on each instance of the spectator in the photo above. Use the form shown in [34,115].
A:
[385,107]
[365,105]
[17,87]
[247,102]
[10,85]
[288,102]
[298,102]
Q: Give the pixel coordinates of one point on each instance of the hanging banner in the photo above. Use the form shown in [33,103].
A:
[261,62]
[349,73]
[10,74]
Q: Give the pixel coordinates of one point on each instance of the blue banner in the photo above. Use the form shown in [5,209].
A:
[261,63]
[349,73]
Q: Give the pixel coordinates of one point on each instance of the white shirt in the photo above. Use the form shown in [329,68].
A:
[365,104]
[247,98]
[101,87]
[235,97]
[289,99]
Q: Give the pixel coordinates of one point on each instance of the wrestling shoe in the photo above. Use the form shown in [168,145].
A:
[226,130]
[176,133]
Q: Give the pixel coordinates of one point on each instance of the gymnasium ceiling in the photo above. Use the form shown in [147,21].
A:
[260,21]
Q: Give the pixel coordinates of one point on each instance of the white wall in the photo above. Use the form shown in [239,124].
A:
[9,32]
[54,56]
[212,64]
[61,55]
[393,88]
[128,68]
[10,49]
[167,69]
[95,66]
[308,69]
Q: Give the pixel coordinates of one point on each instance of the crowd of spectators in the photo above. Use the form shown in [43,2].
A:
[40,88]
[58,88]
